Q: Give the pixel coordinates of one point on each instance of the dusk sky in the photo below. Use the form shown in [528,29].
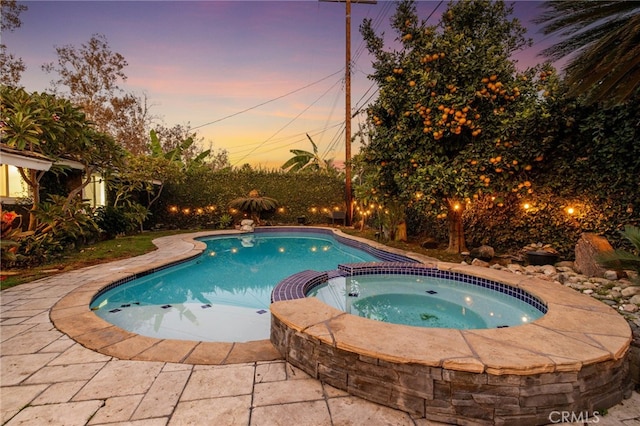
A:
[201,61]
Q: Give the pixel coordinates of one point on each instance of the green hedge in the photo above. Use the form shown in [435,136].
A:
[202,200]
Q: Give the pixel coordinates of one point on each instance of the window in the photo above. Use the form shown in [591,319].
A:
[95,192]
[13,187]
[11,183]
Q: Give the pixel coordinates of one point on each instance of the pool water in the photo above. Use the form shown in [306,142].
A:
[224,294]
[424,301]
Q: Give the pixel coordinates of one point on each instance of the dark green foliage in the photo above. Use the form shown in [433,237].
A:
[202,200]
[112,221]
[605,35]
[593,165]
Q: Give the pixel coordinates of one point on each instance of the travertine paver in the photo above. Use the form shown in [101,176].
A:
[120,378]
[281,392]
[163,395]
[296,413]
[29,342]
[212,382]
[14,398]
[356,411]
[16,368]
[59,392]
[230,410]
[48,378]
[77,354]
[68,414]
[270,372]
[117,409]
[65,373]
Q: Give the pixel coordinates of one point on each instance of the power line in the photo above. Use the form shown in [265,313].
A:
[267,102]
[286,125]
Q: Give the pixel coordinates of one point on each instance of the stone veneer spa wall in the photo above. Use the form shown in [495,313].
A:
[573,359]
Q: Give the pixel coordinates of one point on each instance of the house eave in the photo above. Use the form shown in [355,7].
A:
[25,162]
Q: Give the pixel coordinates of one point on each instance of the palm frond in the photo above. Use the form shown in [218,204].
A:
[603,40]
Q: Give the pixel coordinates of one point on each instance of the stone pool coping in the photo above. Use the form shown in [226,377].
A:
[575,332]
[563,340]
[73,316]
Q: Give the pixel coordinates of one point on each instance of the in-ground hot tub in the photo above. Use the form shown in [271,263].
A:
[572,359]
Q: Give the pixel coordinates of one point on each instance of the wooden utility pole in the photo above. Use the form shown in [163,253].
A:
[347,108]
[347,120]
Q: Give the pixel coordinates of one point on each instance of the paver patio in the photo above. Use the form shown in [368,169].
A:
[48,378]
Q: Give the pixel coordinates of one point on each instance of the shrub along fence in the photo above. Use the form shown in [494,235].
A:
[202,200]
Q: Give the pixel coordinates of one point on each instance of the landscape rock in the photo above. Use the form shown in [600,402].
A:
[630,291]
[621,294]
[515,268]
[479,262]
[611,275]
[588,247]
[548,270]
[484,252]
[565,266]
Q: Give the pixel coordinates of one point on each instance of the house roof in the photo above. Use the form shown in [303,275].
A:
[31,160]
[24,158]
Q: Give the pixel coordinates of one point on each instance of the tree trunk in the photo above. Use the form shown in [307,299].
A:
[33,180]
[456,232]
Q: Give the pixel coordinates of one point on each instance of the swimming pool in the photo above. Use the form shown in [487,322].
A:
[424,301]
[224,294]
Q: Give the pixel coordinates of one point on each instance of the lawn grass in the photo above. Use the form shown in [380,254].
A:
[136,245]
[100,252]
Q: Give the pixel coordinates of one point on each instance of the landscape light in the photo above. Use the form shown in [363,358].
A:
[570,210]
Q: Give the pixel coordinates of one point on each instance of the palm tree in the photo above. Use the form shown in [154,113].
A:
[254,204]
[605,38]
[305,160]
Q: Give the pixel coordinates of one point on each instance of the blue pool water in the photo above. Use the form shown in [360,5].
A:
[224,294]
[424,301]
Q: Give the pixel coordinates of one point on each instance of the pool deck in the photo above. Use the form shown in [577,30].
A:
[60,364]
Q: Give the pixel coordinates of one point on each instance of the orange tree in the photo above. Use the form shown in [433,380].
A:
[454,120]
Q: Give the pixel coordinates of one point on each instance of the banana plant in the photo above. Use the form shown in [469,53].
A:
[305,160]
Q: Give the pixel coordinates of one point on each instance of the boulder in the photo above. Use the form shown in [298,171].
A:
[484,252]
[588,248]
[631,291]
[478,262]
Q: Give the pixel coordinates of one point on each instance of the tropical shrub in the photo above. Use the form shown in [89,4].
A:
[622,259]
[9,234]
